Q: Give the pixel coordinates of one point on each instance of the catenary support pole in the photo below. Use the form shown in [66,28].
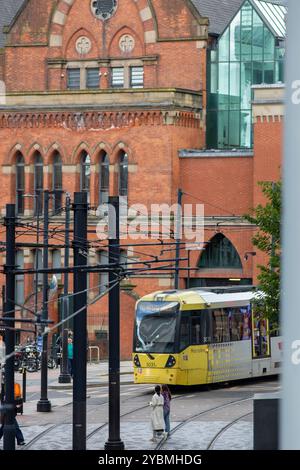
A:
[114,440]
[64,376]
[290,409]
[80,322]
[9,311]
[44,405]
[178,231]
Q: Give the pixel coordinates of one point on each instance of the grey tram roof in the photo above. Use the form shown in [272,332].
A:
[219,12]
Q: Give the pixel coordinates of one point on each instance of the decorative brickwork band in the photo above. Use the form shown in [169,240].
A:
[98,120]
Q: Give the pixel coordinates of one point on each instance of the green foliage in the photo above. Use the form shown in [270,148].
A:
[268,218]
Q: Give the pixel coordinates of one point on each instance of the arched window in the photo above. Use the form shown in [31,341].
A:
[220,254]
[20,183]
[38,184]
[57,182]
[123,174]
[104,179]
[85,173]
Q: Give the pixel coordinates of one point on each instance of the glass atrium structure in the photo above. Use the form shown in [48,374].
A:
[250,51]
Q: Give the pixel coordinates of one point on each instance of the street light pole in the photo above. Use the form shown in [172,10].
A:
[80,322]
[114,440]
[64,376]
[9,311]
[44,405]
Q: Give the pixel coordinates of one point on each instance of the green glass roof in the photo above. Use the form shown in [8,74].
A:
[274,15]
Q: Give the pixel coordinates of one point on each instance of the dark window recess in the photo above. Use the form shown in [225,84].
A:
[136,77]
[92,78]
[117,77]
[85,173]
[123,174]
[104,179]
[220,253]
[57,183]
[73,79]
[38,184]
[20,183]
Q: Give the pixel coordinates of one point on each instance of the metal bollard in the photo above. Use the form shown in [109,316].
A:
[24,372]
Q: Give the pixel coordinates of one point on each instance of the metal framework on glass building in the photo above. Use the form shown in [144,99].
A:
[250,51]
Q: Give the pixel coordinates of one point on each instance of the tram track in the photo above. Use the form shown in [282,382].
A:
[224,429]
[90,409]
[163,441]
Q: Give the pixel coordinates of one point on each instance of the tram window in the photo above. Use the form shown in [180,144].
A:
[196,331]
[239,323]
[260,337]
[184,333]
[220,326]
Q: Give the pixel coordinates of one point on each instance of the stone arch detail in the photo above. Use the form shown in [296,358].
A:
[63,8]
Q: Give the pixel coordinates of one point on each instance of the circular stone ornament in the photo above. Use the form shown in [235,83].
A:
[126,43]
[83,45]
[104,9]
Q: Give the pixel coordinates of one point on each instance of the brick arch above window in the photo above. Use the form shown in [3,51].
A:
[62,10]
[114,47]
[52,150]
[118,149]
[77,153]
[70,51]
[10,158]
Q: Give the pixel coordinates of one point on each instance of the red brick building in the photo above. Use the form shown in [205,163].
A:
[107,97]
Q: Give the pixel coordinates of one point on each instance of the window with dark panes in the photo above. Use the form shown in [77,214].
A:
[123,174]
[38,264]
[57,183]
[220,253]
[137,77]
[20,183]
[104,179]
[85,173]
[117,77]
[38,184]
[92,77]
[73,79]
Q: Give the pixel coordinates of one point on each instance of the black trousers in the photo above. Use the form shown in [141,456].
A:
[19,434]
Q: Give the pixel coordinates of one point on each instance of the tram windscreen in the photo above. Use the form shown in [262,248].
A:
[155,328]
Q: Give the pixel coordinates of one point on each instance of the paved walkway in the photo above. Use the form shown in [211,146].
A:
[225,427]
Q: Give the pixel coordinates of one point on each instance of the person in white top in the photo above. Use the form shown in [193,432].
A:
[157,413]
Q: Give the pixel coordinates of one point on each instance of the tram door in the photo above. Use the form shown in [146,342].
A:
[260,337]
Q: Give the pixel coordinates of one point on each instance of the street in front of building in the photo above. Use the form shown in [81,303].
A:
[216,417]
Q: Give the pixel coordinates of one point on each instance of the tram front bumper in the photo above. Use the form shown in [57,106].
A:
[155,376]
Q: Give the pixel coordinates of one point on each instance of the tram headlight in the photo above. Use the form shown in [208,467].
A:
[170,362]
[136,361]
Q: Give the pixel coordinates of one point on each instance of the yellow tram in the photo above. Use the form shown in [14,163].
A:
[196,336]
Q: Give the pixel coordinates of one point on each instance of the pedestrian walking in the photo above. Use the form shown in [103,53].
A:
[70,356]
[166,394]
[18,432]
[157,413]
